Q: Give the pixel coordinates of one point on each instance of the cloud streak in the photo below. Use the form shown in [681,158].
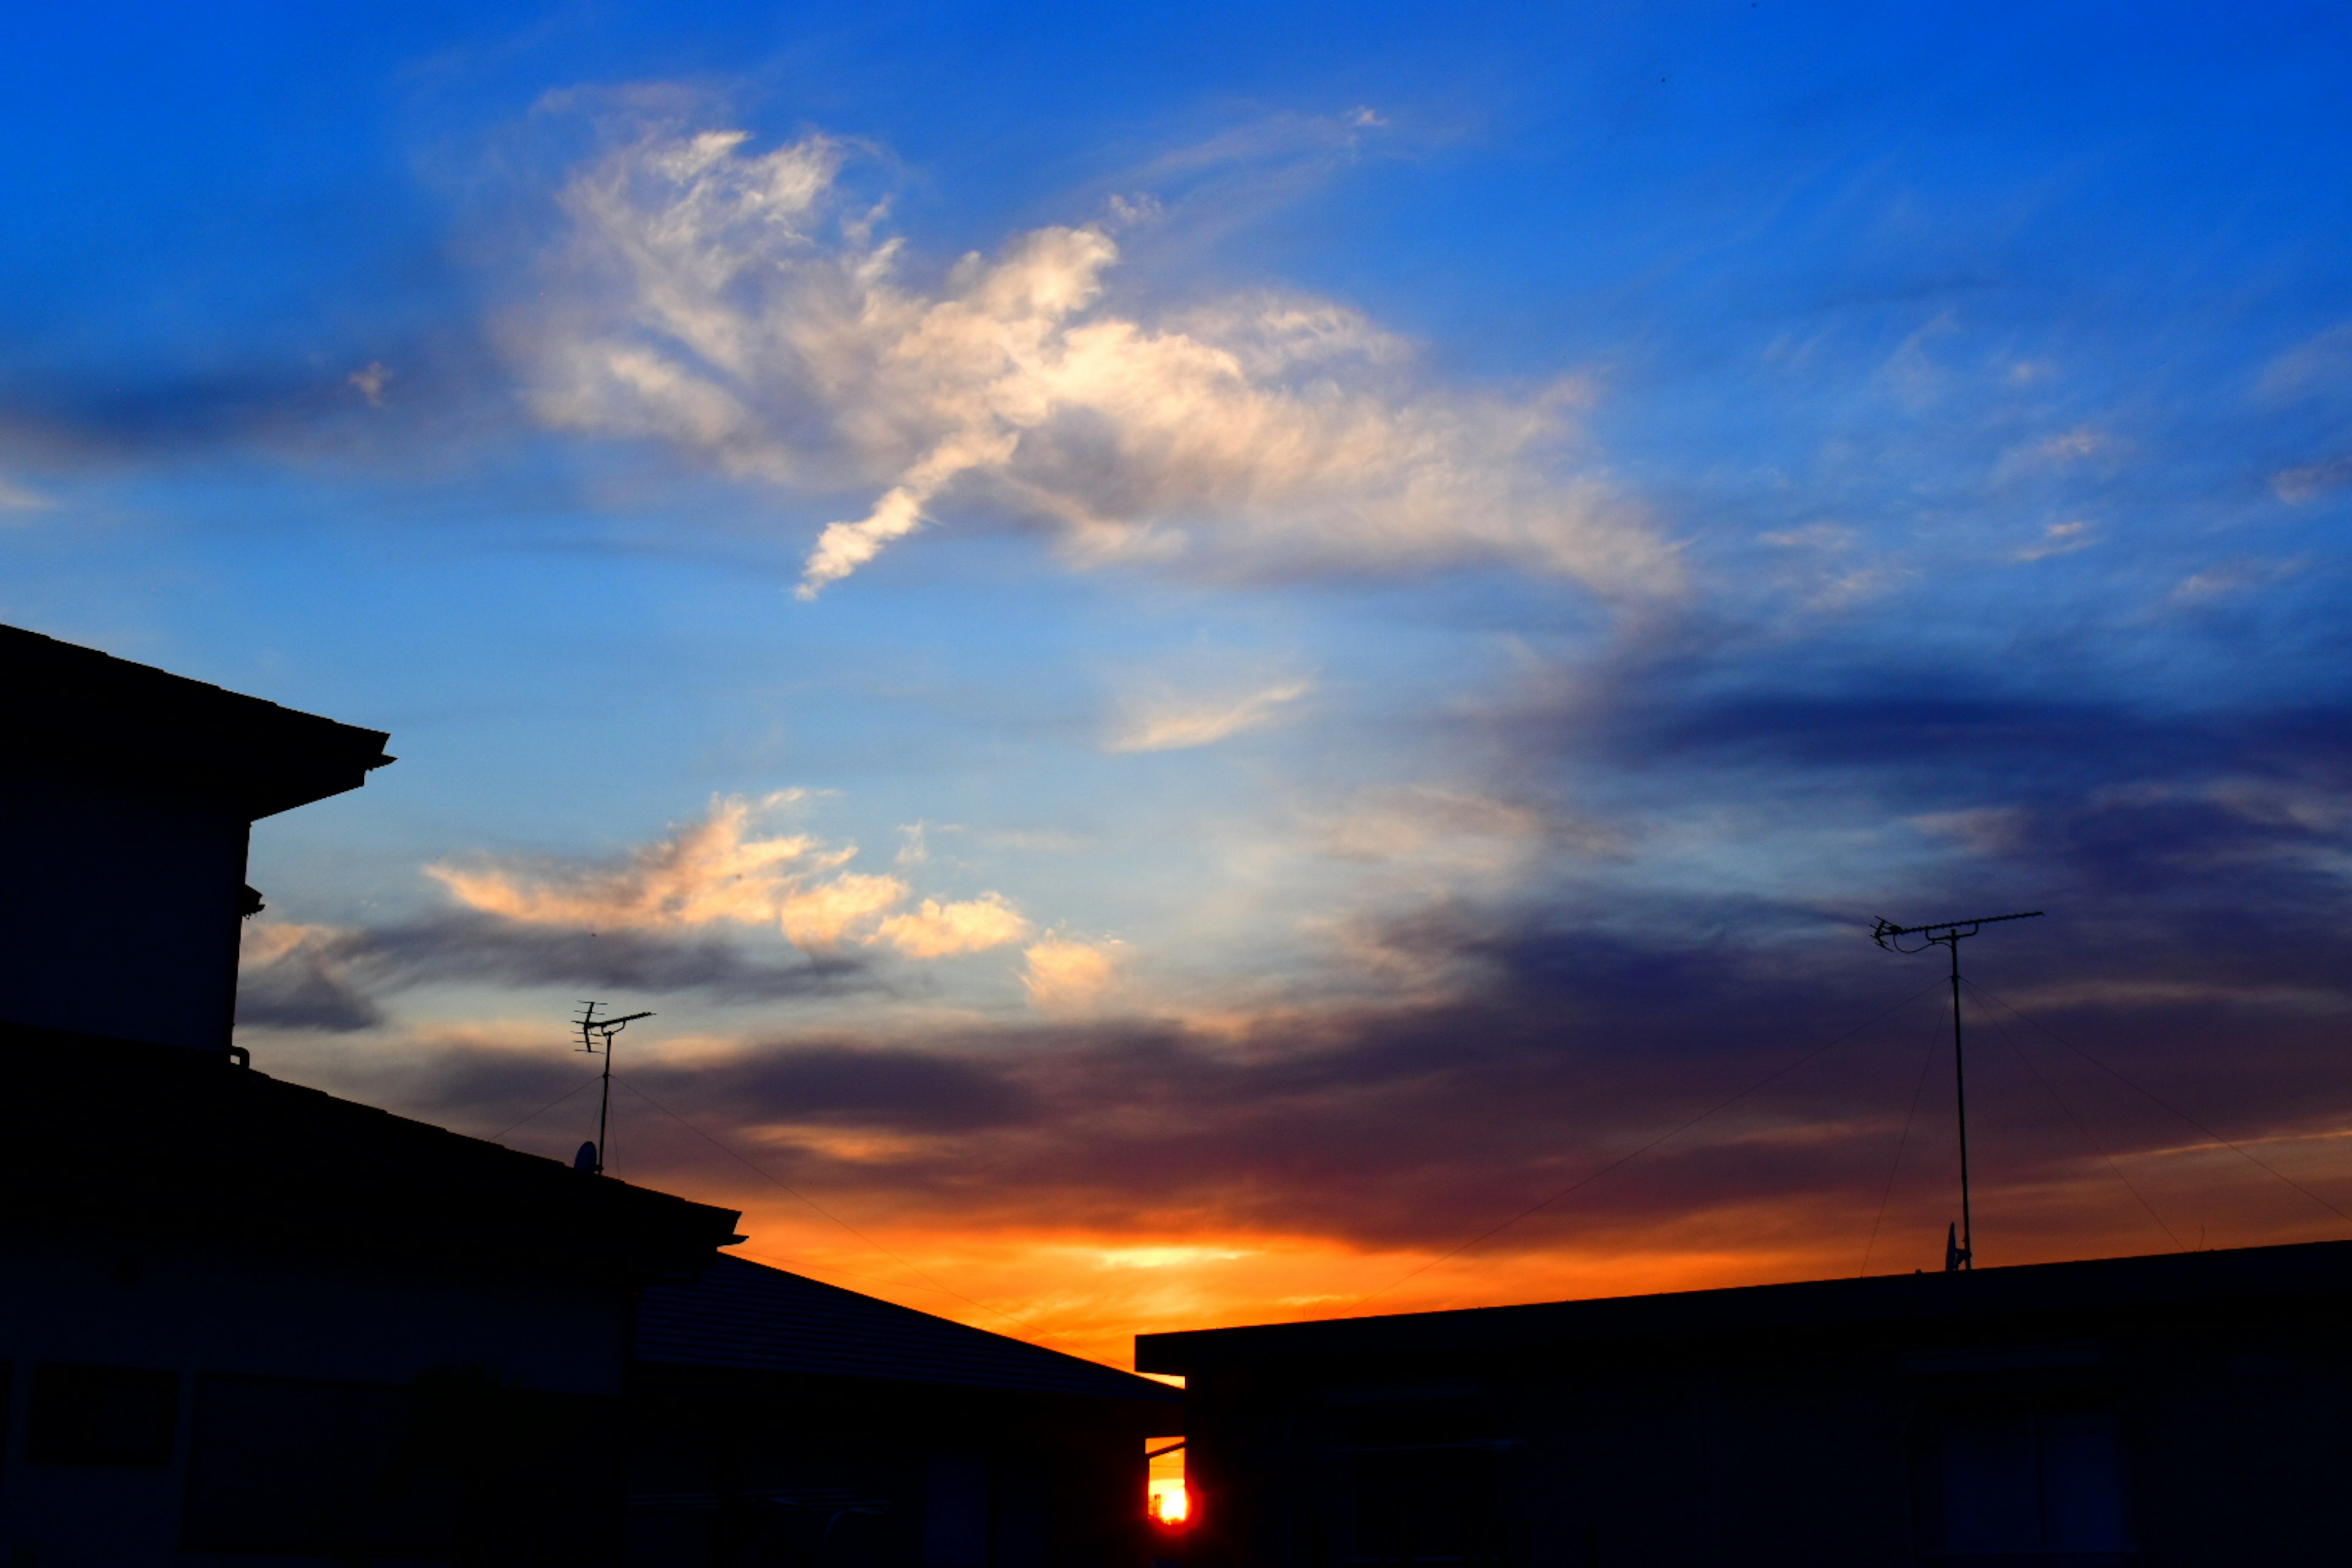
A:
[1180,725]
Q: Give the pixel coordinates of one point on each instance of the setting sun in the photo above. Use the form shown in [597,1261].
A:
[1170,1502]
[1166,1500]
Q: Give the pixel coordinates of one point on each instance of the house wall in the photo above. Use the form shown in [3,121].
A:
[2207,1438]
[122,908]
[748,1467]
[284,1372]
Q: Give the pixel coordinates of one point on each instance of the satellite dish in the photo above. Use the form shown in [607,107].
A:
[587,1159]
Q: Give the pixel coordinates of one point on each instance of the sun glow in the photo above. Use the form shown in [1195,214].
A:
[1166,1500]
[1171,1504]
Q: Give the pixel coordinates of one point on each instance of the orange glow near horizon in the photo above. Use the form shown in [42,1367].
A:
[1090,1295]
[1090,1288]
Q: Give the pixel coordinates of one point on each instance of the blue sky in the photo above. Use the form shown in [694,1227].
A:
[1442,559]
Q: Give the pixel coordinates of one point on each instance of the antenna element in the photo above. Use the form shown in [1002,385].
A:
[1959,1252]
[595,1032]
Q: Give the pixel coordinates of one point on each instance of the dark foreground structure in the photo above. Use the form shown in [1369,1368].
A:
[776,1419]
[245,1322]
[2191,1409]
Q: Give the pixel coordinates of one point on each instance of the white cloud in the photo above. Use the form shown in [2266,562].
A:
[2057,538]
[731,304]
[1175,725]
[369,382]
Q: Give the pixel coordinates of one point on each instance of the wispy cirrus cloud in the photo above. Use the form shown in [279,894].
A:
[14,497]
[2302,485]
[735,305]
[1174,724]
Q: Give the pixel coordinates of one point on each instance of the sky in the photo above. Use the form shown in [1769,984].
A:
[1232,663]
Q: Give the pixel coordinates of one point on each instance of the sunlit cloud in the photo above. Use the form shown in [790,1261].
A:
[1172,725]
[737,306]
[719,868]
[723,869]
[1064,975]
[934,929]
[819,915]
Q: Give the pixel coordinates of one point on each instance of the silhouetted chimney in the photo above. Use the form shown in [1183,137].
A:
[126,797]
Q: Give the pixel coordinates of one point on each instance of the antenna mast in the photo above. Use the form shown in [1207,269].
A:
[594,1032]
[1959,1252]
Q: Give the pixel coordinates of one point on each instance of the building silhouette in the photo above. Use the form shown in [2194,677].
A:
[244,1321]
[2187,1409]
[779,1419]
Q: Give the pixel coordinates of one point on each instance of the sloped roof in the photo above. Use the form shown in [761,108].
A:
[746,1316]
[2105,1285]
[74,707]
[123,1134]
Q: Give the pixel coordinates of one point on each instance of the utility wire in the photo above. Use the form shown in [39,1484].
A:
[1918,1092]
[784,1186]
[2052,1091]
[543,1109]
[1587,1181]
[2168,1105]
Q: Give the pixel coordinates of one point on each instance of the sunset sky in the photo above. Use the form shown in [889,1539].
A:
[1195,653]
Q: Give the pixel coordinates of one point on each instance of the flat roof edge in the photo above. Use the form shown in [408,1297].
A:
[1788,1308]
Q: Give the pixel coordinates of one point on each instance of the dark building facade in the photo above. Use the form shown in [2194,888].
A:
[127,797]
[242,1321]
[2189,1409]
[245,1322]
[778,1420]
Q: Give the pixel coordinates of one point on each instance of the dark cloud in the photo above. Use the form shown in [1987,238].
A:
[1409,1128]
[304,988]
[332,978]
[892,1089]
[417,396]
[465,946]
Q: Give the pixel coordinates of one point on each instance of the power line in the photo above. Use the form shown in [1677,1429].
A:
[543,1109]
[2052,1091]
[2168,1105]
[1663,1137]
[1918,1092]
[784,1186]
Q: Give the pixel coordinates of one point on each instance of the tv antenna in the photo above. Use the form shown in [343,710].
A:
[596,1038]
[1959,1251]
